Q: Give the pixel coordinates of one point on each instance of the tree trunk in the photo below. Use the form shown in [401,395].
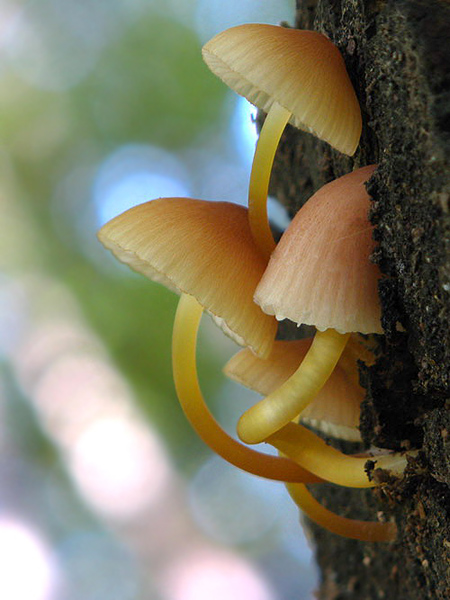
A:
[398,56]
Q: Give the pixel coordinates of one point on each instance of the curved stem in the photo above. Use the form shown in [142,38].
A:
[293,396]
[268,140]
[365,531]
[313,454]
[184,342]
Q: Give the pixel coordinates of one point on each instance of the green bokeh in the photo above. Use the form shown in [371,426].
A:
[149,86]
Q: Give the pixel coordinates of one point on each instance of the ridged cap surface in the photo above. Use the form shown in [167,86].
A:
[200,248]
[301,70]
[320,273]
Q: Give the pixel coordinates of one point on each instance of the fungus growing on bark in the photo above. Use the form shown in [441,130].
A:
[295,76]
[336,408]
[320,274]
[205,251]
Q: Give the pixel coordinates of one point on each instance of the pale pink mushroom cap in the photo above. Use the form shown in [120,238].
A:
[320,272]
[301,70]
[200,248]
[335,410]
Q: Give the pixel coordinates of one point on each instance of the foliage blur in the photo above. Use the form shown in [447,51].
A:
[106,104]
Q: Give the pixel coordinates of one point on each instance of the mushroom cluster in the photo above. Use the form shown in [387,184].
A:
[222,259]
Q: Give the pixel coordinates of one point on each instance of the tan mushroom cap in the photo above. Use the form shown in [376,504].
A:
[301,70]
[201,248]
[320,272]
[335,410]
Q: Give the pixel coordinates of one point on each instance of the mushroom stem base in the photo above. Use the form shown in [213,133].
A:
[184,344]
[266,147]
[312,453]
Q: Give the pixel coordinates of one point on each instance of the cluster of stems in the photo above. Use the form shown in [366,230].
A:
[304,457]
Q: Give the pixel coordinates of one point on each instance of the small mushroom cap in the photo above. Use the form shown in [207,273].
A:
[301,70]
[320,272]
[201,248]
[336,408]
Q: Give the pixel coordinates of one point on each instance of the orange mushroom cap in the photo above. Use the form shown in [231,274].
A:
[201,248]
[320,272]
[336,408]
[303,71]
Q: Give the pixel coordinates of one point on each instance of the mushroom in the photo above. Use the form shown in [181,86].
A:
[295,76]
[205,251]
[320,274]
[336,408]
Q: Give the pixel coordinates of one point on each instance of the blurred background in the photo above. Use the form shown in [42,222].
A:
[105,492]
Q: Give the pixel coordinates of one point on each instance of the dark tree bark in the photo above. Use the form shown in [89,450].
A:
[398,57]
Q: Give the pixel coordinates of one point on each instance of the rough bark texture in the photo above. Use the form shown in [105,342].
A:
[398,56]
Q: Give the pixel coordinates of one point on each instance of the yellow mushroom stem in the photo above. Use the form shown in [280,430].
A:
[266,147]
[365,531]
[312,453]
[184,344]
[292,397]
